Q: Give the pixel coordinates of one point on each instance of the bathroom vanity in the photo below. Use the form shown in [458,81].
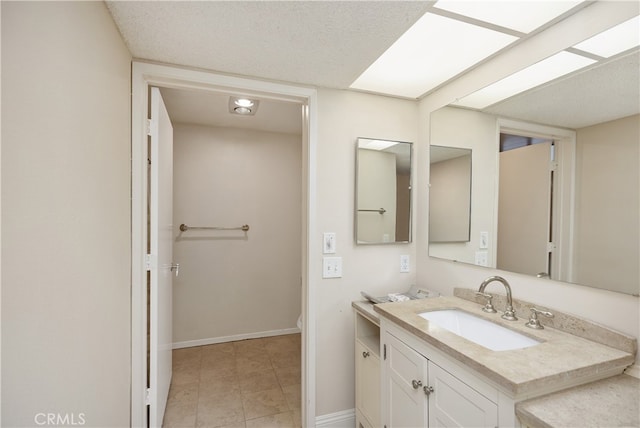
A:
[431,376]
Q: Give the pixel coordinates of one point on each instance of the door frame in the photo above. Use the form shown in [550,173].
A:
[562,221]
[144,75]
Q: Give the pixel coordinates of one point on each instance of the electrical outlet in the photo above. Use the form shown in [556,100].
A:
[329,243]
[404,263]
[481,258]
[332,267]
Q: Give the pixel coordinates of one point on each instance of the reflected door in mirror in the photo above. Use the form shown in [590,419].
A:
[524,210]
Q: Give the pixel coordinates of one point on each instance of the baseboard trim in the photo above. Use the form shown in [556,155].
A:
[343,419]
[233,338]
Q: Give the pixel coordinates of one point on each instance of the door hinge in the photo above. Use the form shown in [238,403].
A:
[147,262]
[148,127]
[147,397]
[384,351]
[551,247]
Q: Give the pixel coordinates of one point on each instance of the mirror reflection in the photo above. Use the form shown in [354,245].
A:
[574,216]
[383,192]
[449,194]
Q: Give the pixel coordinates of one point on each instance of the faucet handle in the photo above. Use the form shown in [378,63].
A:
[488,307]
[534,322]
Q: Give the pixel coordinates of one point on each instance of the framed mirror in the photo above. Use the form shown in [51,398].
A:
[589,202]
[383,192]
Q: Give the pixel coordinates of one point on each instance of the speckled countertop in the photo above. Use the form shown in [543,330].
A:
[613,402]
[560,361]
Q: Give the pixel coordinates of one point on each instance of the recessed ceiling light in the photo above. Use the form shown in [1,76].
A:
[243,106]
[541,72]
[242,110]
[614,40]
[523,16]
[431,52]
[243,102]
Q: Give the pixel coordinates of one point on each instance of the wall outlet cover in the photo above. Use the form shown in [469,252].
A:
[482,258]
[404,264]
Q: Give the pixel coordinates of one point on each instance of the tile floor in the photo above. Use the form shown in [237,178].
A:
[244,384]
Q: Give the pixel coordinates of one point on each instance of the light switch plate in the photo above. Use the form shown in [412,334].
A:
[332,267]
[484,240]
[329,243]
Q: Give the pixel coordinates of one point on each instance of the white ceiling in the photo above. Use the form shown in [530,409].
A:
[211,109]
[323,44]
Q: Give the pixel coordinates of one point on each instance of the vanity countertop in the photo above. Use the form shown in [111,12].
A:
[366,309]
[562,360]
[612,402]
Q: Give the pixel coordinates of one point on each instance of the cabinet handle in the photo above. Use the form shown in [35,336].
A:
[365,354]
[416,384]
[427,390]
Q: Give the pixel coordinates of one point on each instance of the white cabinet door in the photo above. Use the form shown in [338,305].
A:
[419,393]
[406,374]
[368,384]
[454,404]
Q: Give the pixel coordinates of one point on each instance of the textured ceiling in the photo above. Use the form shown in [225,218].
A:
[321,43]
[329,44]
[606,92]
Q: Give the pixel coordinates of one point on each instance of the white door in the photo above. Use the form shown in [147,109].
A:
[161,257]
[524,209]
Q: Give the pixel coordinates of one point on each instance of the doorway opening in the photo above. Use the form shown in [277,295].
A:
[169,78]
[237,200]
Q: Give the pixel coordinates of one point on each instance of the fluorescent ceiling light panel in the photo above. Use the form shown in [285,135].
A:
[431,52]
[523,16]
[541,72]
[614,40]
[376,144]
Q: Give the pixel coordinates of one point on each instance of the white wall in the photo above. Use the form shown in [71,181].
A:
[232,283]
[342,118]
[65,214]
[607,195]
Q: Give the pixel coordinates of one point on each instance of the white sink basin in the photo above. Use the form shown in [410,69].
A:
[478,330]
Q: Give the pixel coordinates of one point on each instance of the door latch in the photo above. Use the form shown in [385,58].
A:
[176,268]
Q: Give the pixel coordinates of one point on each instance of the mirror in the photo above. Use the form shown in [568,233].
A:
[598,156]
[449,194]
[383,192]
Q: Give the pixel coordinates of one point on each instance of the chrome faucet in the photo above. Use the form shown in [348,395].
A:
[509,313]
